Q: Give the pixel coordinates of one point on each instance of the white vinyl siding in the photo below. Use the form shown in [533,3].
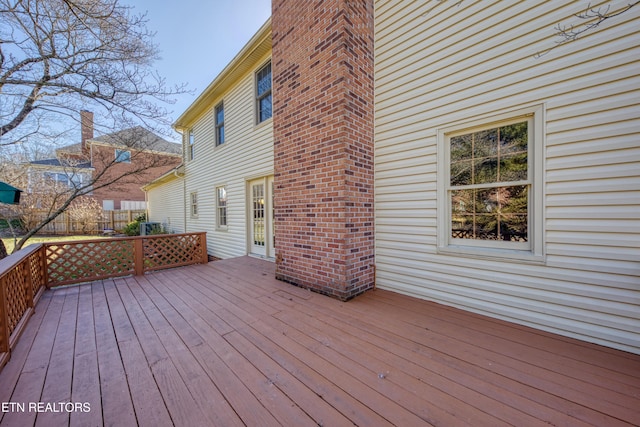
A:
[246,153]
[440,63]
[166,205]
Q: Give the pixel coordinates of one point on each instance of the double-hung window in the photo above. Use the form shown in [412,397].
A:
[490,194]
[194,204]
[190,145]
[263,93]
[220,124]
[221,207]
[57,178]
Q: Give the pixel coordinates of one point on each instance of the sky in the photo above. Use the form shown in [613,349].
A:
[198,38]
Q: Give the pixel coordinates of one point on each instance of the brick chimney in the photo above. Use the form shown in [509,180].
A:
[86,129]
[322,63]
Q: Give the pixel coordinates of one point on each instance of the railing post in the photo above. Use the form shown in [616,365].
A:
[138,256]
[203,248]
[4,318]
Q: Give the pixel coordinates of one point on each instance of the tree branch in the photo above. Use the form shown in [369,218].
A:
[592,17]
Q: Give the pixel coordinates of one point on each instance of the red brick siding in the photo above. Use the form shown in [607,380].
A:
[322,63]
[143,168]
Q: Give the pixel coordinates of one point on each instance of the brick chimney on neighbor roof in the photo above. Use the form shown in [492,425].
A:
[322,63]
[86,129]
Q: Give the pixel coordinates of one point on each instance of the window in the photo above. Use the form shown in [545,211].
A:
[221,207]
[190,147]
[123,156]
[488,196]
[263,93]
[194,204]
[220,124]
[73,180]
[57,178]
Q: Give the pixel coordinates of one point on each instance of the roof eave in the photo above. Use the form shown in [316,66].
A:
[227,77]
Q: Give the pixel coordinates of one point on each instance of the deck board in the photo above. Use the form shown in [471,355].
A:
[116,404]
[57,385]
[86,377]
[546,369]
[227,344]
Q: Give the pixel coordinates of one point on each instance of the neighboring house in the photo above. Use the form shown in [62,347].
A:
[58,171]
[165,201]
[507,167]
[135,153]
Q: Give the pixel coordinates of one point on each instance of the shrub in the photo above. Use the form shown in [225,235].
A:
[133,228]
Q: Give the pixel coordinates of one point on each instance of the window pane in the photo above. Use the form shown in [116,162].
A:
[219,114]
[513,138]
[485,143]
[191,149]
[123,156]
[222,206]
[490,214]
[485,170]
[461,172]
[513,167]
[461,147]
[265,108]
[492,155]
[258,215]
[264,80]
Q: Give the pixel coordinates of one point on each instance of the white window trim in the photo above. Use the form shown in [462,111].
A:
[218,226]
[534,253]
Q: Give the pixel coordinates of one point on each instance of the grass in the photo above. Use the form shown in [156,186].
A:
[9,242]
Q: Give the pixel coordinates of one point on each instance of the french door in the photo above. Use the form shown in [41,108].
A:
[261,227]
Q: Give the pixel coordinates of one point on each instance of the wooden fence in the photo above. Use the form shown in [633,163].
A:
[65,224]
[25,274]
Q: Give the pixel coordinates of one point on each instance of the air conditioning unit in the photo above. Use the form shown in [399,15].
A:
[147,228]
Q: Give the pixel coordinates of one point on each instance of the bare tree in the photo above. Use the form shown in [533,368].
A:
[58,57]
[52,197]
[86,212]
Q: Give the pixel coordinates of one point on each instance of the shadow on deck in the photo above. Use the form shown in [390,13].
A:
[226,344]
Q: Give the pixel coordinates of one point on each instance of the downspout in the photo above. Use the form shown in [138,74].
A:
[146,204]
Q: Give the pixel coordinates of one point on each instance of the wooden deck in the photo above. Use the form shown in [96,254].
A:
[225,344]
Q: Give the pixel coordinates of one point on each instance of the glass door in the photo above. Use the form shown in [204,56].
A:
[261,217]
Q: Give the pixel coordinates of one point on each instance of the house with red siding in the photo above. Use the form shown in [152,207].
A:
[117,164]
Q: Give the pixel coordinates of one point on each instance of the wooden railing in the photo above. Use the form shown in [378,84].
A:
[27,273]
[22,281]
